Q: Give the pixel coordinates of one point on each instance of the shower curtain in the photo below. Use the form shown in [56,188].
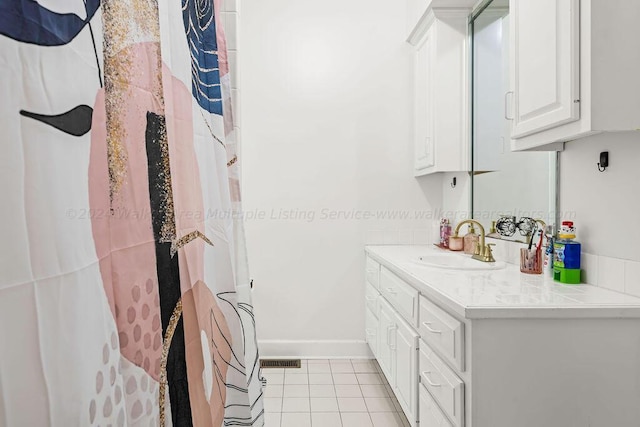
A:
[124,288]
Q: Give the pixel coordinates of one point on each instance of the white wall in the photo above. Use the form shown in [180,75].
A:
[605,207]
[326,121]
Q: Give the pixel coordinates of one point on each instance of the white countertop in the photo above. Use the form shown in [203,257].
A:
[504,293]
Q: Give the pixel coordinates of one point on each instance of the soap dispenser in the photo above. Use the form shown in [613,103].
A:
[471,241]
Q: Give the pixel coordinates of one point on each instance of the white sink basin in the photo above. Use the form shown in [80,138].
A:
[458,262]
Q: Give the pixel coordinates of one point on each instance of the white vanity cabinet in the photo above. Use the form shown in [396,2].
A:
[441,91]
[573,70]
[501,348]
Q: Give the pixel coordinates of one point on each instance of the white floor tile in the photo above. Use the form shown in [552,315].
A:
[273,378]
[273,370]
[312,361]
[273,390]
[365,367]
[320,379]
[380,404]
[324,404]
[339,361]
[325,419]
[322,390]
[272,404]
[374,390]
[272,419]
[296,420]
[301,370]
[348,390]
[342,368]
[296,378]
[291,390]
[352,404]
[369,379]
[345,379]
[319,368]
[355,419]
[385,419]
[295,404]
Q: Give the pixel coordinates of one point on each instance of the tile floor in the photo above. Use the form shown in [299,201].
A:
[331,393]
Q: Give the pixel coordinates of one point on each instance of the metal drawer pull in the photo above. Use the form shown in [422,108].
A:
[392,291]
[430,329]
[431,383]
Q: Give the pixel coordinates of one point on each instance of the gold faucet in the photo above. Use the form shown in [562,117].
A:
[483,251]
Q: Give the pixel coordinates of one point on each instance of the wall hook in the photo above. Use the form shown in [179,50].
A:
[603,164]
[454,182]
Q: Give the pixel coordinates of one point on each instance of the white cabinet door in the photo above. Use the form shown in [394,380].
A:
[386,332]
[545,64]
[406,388]
[423,93]
[371,331]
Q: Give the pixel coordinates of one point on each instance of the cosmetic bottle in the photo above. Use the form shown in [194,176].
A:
[548,251]
[445,233]
[471,241]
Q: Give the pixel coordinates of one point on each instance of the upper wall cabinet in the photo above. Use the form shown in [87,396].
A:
[441,91]
[573,71]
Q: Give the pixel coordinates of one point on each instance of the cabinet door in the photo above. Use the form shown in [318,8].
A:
[406,388]
[545,64]
[371,331]
[386,351]
[423,113]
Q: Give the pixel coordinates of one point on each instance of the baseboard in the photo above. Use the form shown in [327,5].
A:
[315,349]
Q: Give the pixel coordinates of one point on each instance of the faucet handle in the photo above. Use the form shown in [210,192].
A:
[488,254]
[479,249]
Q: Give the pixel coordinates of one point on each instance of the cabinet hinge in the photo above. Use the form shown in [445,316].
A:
[576,101]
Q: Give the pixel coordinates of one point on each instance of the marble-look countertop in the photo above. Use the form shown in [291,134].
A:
[504,293]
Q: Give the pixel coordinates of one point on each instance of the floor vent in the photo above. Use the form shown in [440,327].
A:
[280,363]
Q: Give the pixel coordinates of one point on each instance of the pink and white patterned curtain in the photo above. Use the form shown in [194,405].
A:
[124,288]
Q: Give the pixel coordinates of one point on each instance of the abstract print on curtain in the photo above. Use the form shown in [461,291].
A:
[131,302]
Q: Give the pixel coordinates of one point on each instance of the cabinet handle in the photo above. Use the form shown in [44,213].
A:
[368,298]
[431,383]
[392,291]
[389,330]
[430,329]
[506,108]
[369,332]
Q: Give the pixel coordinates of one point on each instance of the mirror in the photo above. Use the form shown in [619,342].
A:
[504,183]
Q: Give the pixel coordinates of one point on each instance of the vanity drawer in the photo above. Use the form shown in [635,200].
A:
[443,384]
[372,273]
[371,298]
[400,295]
[443,332]
[430,413]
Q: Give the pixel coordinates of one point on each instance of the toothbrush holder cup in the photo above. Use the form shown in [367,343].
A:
[531,261]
